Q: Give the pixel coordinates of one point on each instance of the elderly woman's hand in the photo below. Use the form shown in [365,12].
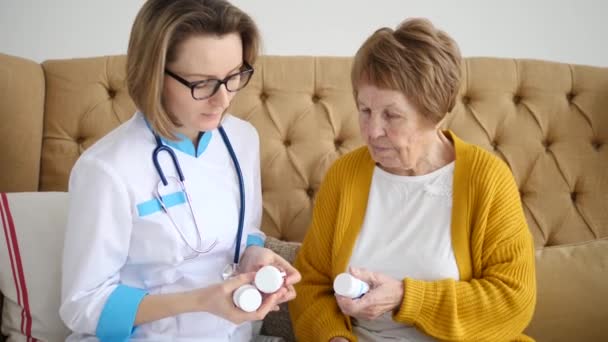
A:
[385,294]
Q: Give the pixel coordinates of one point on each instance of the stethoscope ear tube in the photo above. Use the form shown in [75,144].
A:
[237,167]
[160,147]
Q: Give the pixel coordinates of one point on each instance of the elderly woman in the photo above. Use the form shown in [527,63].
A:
[433,224]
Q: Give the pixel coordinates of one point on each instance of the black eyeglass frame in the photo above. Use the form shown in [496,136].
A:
[248,72]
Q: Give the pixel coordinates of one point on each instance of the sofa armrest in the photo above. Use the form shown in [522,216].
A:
[22,92]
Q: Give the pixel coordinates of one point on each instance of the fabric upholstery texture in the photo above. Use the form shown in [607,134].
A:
[574,279]
[547,120]
[22,106]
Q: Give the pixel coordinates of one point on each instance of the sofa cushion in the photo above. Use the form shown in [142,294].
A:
[31,244]
[287,250]
[572,285]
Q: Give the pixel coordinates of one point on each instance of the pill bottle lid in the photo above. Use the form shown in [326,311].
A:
[347,285]
[248,298]
[269,279]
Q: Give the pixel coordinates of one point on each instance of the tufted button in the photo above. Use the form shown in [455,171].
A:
[596,144]
[338,143]
[263,97]
[316,98]
[80,140]
[310,192]
[287,142]
[547,144]
[570,96]
[494,145]
[111,93]
[573,196]
[516,99]
[466,100]
[521,194]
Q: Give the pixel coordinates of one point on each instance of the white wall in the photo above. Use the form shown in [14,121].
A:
[573,31]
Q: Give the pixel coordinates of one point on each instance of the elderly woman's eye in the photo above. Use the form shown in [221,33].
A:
[391,116]
[364,111]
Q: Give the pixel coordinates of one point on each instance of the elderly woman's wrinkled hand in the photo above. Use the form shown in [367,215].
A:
[385,294]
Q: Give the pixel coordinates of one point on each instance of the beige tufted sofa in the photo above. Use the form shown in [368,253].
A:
[548,121]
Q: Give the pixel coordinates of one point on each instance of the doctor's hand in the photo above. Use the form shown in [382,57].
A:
[256,257]
[385,294]
[217,299]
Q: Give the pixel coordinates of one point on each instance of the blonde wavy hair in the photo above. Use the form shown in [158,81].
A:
[158,30]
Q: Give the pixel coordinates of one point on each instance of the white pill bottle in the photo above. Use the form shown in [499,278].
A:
[269,279]
[348,286]
[247,298]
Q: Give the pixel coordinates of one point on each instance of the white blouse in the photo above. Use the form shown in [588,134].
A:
[406,233]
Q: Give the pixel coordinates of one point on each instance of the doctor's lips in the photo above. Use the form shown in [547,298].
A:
[211,115]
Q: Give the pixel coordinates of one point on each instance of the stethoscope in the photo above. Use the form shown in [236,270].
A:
[160,147]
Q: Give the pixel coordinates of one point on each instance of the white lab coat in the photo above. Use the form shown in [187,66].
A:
[110,244]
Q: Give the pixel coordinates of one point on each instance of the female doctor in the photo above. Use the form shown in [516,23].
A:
[166,206]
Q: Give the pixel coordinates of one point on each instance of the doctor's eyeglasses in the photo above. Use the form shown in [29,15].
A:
[204,89]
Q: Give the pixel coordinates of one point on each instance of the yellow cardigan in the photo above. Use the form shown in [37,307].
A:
[495,297]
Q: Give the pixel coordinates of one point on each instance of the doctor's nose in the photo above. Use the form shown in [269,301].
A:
[222,97]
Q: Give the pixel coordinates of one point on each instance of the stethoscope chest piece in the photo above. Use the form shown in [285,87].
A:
[229,271]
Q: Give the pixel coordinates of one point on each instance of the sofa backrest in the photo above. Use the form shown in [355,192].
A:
[548,121]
